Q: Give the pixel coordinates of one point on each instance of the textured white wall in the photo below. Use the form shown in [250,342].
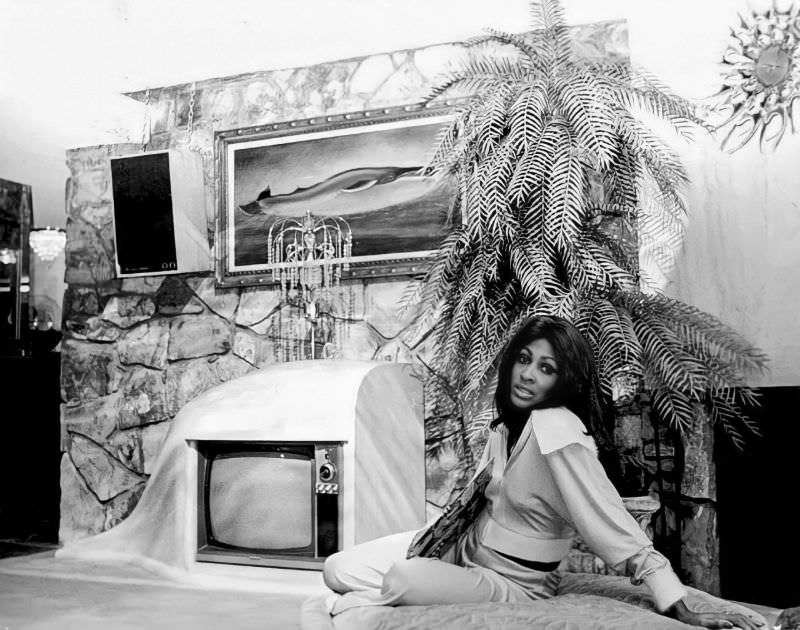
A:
[742,251]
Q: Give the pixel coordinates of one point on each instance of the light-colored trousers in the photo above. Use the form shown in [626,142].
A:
[378,573]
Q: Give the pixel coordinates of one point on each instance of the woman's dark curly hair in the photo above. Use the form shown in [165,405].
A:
[575,387]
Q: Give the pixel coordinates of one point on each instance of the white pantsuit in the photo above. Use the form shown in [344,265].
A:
[550,487]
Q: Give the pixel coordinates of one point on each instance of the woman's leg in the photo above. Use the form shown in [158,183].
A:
[423,581]
[378,573]
[363,566]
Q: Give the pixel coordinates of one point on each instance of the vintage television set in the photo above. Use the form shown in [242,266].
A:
[269,503]
[300,460]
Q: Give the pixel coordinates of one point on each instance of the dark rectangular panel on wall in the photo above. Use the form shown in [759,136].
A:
[159,213]
[144,228]
[759,505]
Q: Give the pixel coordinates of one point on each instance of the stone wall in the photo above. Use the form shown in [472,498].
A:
[698,506]
[136,350]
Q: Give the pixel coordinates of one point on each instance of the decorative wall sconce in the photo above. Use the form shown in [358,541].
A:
[310,255]
[48,242]
[761,85]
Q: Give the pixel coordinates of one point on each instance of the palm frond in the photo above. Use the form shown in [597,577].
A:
[551,18]
[620,180]
[566,199]
[704,334]
[535,164]
[661,160]
[662,357]
[580,100]
[528,116]
[637,88]
[479,74]
[501,222]
[609,329]
[524,270]
[674,407]
[626,261]
[603,274]
[494,121]
[530,48]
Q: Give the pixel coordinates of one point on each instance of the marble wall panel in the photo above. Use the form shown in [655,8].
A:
[126,311]
[187,379]
[222,302]
[104,475]
[95,419]
[152,439]
[87,370]
[82,514]
[198,336]
[143,397]
[145,344]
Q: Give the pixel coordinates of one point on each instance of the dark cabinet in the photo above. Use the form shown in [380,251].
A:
[30,446]
[758,506]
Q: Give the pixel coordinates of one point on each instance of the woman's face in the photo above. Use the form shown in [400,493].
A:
[533,375]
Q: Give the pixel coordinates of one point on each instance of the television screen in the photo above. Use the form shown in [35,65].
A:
[261,500]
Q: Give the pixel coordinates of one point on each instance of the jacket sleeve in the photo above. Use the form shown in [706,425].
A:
[595,509]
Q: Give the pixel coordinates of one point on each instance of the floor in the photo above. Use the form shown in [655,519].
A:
[39,591]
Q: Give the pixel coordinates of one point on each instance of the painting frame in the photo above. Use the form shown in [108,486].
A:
[352,141]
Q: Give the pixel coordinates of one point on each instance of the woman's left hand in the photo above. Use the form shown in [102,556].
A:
[789,619]
[713,619]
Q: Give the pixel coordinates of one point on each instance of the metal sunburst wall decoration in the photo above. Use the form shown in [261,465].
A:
[761,85]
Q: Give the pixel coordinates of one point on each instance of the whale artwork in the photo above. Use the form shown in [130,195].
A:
[372,178]
[352,191]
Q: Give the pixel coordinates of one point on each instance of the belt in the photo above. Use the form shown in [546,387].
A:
[545,567]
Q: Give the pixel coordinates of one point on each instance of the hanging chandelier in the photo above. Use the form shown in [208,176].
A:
[48,242]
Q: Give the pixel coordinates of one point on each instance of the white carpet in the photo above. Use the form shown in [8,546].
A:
[39,592]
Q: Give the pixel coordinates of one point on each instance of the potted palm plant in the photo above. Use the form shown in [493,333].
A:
[563,184]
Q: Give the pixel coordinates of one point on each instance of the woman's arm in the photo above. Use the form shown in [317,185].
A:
[596,510]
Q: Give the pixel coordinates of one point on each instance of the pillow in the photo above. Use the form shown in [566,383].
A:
[581,559]
[571,611]
[621,589]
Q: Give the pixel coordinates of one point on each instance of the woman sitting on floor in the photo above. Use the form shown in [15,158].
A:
[547,484]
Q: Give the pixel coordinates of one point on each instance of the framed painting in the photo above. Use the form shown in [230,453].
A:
[361,171]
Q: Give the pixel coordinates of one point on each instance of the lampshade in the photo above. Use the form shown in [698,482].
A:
[48,242]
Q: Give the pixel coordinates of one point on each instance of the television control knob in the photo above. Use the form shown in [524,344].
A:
[327,472]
